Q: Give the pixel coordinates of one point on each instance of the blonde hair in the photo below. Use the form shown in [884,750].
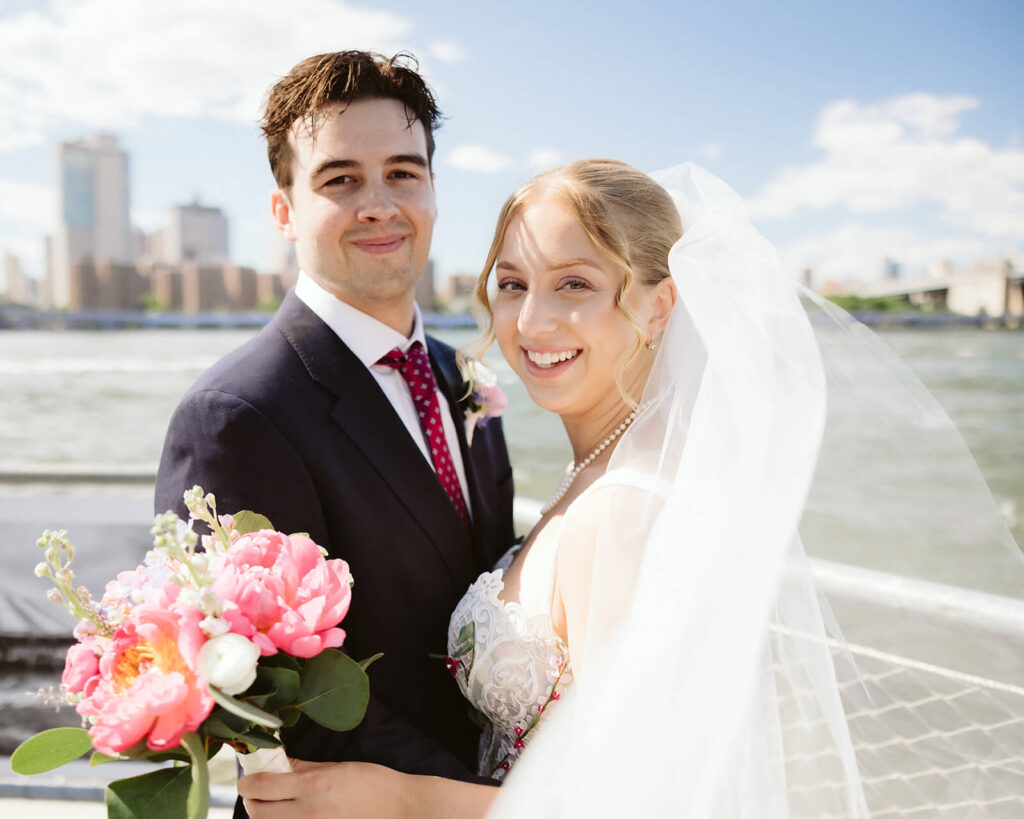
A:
[628,216]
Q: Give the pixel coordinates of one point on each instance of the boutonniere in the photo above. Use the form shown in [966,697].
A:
[484,398]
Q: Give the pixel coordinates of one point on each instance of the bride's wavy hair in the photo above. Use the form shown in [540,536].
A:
[628,216]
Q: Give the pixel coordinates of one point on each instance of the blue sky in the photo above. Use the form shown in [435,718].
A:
[856,131]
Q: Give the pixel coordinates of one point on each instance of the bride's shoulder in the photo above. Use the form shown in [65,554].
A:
[624,485]
[616,509]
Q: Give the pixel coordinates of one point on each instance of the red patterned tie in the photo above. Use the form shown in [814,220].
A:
[415,369]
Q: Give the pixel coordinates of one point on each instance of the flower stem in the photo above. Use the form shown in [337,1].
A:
[198,805]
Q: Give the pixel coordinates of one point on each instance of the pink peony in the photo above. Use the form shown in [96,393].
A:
[146,687]
[280,592]
[80,664]
[493,399]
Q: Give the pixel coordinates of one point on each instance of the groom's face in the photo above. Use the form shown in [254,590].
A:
[361,208]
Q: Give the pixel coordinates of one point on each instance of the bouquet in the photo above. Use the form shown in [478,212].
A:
[196,649]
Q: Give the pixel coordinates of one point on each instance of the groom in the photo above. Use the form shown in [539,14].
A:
[318,422]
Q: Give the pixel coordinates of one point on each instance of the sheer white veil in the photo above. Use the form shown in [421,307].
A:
[717,680]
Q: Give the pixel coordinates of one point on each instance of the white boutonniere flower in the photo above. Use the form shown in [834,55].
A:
[484,399]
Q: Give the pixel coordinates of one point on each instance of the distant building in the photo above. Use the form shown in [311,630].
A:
[195,233]
[104,285]
[426,297]
[94,203]
[890,269]
[17,287]
[459,292]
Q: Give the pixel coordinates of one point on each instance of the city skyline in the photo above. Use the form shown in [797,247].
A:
[855,135]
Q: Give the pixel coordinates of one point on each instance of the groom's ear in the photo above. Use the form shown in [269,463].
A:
[281,209]
[663,299]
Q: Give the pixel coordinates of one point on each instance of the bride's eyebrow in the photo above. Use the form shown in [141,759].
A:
[562,264]
[557,264]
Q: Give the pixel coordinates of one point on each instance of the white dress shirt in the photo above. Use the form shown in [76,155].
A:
[370,339]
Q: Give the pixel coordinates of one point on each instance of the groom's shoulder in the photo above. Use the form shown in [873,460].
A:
[260,365]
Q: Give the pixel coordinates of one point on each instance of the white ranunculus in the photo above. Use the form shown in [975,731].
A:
[228,662]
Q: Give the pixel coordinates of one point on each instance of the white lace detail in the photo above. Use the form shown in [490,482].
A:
[511,667]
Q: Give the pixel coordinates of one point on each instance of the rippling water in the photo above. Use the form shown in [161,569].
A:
[105,398]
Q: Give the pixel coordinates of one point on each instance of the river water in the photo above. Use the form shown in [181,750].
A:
[104,398]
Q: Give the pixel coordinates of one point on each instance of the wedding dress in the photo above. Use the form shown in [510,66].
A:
[718,681]
[509,663]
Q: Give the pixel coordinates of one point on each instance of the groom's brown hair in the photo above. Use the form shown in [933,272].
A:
[342,76]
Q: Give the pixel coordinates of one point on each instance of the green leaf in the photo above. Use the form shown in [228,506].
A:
[280,660]
[259,738]
[50,749]
[365,664]
[213,727]
[334,691]
[244,710]
[274,688]
[96,758]
[289,716]
[198,803]
[246,522]
[162,793]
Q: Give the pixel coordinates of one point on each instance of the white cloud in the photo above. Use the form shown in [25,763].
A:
[710,150]
[105,63]
[478,158]
[904,153]
[27,205]
[544,159]
[446,51]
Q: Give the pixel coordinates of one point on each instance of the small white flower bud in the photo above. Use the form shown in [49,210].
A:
[41,569]
[214,626]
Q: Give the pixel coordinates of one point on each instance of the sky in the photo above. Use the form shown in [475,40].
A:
[855,132]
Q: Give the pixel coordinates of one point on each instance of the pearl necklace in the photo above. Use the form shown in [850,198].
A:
[574,469]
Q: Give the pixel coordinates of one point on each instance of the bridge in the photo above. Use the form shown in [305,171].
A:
[17,317]
[989,289]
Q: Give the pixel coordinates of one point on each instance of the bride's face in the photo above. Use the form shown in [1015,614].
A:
[555,317]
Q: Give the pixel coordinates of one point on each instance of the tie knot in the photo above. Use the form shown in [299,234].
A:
[414,366]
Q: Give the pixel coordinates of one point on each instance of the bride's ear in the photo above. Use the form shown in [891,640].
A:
[663,299]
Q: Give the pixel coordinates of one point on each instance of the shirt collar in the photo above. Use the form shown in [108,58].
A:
[365,336]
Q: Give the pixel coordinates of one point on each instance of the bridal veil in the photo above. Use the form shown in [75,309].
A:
[726,673]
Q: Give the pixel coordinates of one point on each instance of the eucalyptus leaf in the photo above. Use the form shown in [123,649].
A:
[365,664]
[280,660]
[198,802]
[232,722]
[334,691]
[261,739]
[274,688]
[289,716]
[50,749]
[162,793]
[246,522]
[214,727]
[244,710]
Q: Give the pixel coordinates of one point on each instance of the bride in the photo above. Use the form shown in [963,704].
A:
[657,645]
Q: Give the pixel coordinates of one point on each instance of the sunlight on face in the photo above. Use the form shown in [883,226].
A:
[555,317]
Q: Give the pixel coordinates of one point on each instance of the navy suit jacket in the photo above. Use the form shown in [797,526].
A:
[293,426]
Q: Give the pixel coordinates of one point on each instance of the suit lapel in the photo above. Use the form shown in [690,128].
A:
[366,416]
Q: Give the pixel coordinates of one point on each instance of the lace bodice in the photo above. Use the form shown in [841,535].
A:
[509,664]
